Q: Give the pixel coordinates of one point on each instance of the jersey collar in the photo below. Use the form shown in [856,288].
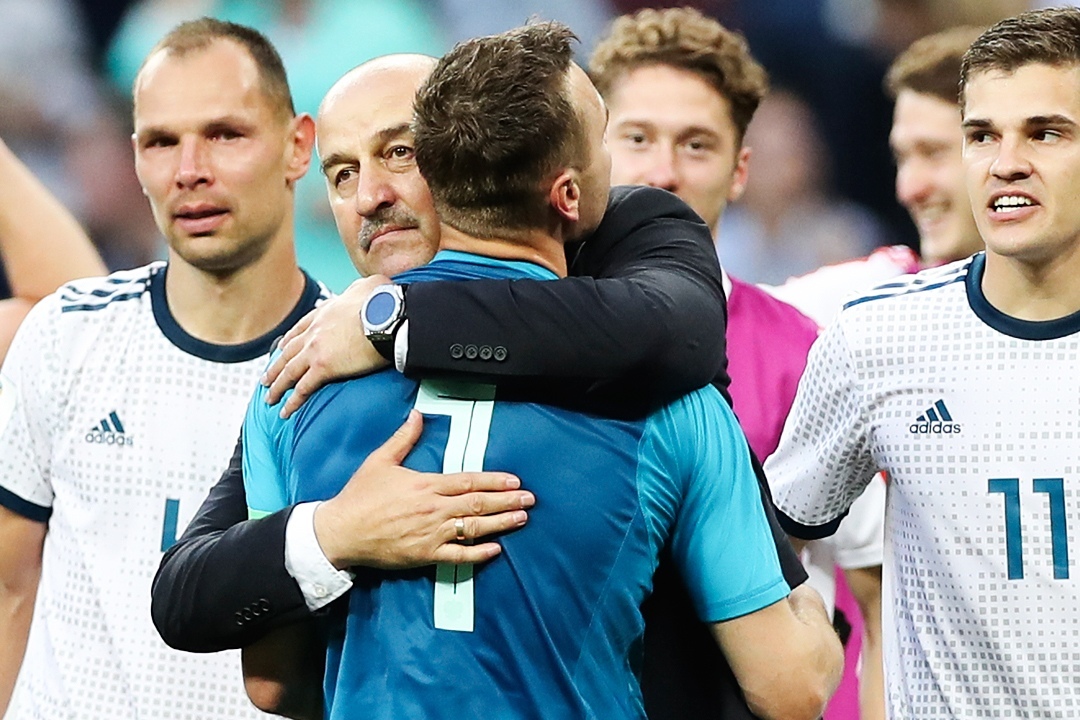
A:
[223,353]
[1007,324]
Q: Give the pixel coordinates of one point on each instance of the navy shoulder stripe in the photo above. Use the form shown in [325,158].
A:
[99,293]
[921,282]
[85,307]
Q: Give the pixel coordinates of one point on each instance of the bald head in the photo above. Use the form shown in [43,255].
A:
[381,204]
[407,70]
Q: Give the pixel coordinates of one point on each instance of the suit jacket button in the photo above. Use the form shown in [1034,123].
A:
[499,353]
[470,352]
[264,605]
[485,352]
[239,617]
[456,351]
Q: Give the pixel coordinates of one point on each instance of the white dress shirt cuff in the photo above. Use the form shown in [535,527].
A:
[320,582]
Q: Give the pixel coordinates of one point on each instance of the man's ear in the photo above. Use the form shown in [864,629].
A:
[301,145]
[565,196]
[740,175]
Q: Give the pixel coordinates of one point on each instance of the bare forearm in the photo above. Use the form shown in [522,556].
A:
[16,610]
[872,681]
[786,656]
[865,584]
[21,544]
[823,663]
[42,244]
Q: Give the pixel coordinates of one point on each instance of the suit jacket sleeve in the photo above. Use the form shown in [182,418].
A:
[224,584]
[642,317]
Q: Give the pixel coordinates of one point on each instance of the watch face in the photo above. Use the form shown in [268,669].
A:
[380,309]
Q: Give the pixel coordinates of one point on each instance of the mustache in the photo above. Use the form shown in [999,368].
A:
[388,217]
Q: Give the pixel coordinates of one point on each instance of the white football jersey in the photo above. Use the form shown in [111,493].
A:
[114,423]
[974,415]
[821,293]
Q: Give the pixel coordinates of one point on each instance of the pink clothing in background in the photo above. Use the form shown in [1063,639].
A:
[767,342]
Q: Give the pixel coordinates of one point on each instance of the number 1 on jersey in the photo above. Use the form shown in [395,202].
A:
[469,407]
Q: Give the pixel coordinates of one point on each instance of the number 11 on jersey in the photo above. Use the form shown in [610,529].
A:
[1054,488]
[469,407]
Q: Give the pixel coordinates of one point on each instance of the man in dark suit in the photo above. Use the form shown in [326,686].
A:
[640,322]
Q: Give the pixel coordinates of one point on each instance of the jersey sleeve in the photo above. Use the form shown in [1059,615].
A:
[825,457]
[29,409]
[267,448]
[696,478]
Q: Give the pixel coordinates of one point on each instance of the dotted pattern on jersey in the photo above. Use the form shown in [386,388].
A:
[128,433]
[978,431]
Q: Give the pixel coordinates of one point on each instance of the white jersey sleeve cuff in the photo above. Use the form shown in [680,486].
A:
[320,582]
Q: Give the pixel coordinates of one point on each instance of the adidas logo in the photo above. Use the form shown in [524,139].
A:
[935,421]
[110,431]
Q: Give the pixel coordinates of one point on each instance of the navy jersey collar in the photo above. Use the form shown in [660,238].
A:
[223,353]
[1006,324]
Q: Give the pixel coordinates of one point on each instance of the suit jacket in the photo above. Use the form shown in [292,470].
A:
[640,322]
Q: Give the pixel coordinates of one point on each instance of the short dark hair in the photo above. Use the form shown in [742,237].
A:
[931,65]
[687,40]
[492,121]
[199,34]
[1050,37]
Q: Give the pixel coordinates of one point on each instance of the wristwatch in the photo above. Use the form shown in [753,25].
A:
[382,315]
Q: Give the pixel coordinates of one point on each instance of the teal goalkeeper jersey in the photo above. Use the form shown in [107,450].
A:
[548,628]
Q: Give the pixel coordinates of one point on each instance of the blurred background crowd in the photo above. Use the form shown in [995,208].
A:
[821,190]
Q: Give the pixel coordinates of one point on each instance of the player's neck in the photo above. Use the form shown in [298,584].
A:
[1033,291]
[237,307]
[529,246]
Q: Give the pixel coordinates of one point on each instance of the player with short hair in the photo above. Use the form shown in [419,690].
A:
[546,628]
[961,382]
[121,395]
[926,142]
[701,138]
[681,90]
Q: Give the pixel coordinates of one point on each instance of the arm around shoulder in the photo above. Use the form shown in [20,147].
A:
[644,315]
